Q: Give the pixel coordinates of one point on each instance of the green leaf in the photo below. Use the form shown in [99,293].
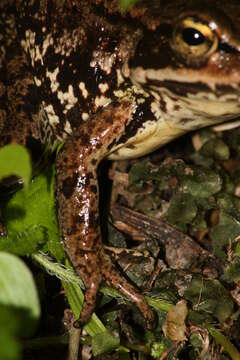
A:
[182,209]
[139,172]
[30,217]
[75,298]
[216,149]
[125,4]
[15,160]
[232,271]
[104,342]
[18,290]
[9,329]
[157,349]
[24,243]
[209,296]
[201,182]
[227,230]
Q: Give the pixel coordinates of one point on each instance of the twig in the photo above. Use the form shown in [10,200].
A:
[74,340]
[181,251]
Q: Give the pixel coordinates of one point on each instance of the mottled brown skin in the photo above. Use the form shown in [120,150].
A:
[111,84]
[76,172]
[77,190]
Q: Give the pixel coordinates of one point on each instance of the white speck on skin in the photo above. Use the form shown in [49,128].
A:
[52,117]
[104,60]
[68,128]
[53,79]
[29,44]
[68,99]
[141,101]
[83,89]
[120,78]
[31,37]
[46,43]
[103,87]
[37,81]
[101,101]
[85,116]
[69,42]
[156,110]
[38,55]
[24,45]
[119,93]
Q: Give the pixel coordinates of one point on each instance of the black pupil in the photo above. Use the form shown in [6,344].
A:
[192,37]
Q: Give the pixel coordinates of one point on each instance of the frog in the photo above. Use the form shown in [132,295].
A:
[111,84]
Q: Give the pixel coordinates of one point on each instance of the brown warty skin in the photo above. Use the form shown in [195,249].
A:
[112,85]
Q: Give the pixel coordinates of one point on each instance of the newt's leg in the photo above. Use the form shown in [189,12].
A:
[77,197]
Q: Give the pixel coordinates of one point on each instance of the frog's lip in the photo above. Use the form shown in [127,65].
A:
[180,88]
[221,92]
[204,79]
[191,110]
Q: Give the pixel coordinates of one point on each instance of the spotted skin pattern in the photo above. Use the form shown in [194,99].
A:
[77,189]
[111,85]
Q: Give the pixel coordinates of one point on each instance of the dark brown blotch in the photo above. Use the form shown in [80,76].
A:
[93,188]
[78,219]
[85,139]
[163,105]
[69,185]
[93,220]
[94,162]
[108,118]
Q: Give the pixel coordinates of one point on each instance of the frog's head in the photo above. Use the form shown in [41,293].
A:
[189,58]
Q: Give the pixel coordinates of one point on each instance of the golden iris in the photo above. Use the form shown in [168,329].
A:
[194,39]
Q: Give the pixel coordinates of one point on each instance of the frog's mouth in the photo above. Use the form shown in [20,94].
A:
[188,109]
[177,112]
[191,102]
[202,84]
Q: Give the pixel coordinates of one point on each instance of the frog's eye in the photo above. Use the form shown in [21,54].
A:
[193,39]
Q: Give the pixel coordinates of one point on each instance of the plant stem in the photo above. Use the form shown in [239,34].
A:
[67,275]
[74,340]
[224,342]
